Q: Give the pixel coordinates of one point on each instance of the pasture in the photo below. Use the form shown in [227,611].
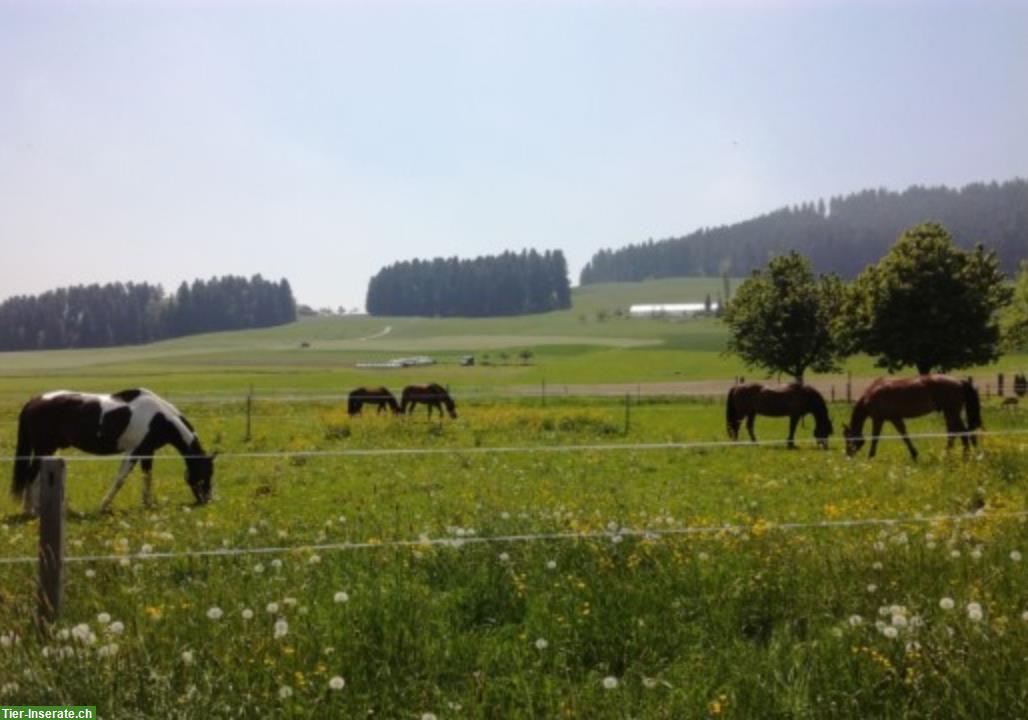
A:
[731,618]
[525,560]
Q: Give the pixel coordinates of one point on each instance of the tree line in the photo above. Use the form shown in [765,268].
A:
[927,304]
[131,313]
[842,237]
[508,284]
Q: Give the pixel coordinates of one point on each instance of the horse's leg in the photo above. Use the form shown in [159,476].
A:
[750,419]
[146,465]
[126,467]
[793,421]
[955,425]
[902,427]
[876,430]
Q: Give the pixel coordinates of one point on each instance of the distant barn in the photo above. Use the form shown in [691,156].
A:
[670,310]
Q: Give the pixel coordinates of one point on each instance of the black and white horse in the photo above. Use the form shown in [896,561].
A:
[135,422]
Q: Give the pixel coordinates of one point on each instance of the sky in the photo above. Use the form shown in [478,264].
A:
[320,141]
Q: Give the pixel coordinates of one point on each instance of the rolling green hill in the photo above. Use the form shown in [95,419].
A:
[592,343]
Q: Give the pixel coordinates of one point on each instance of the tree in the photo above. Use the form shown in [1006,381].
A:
[780,318]
[928,304]
[1015,321]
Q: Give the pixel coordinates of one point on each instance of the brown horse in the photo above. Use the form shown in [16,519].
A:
[752,399]
[379,396]
[434,396]
[901,398]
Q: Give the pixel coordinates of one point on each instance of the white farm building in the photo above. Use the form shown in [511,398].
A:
[669,310]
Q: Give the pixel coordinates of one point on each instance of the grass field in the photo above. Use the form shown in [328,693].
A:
[701,582]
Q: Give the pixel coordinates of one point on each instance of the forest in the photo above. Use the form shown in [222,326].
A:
[488,286]
[132,313]
[842,236]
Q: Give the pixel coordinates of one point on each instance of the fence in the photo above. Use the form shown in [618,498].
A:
[51,480]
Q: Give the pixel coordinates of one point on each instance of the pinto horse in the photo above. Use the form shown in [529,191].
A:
[136,422]
[752,399]
[434,396]
[379,396]
[901,398]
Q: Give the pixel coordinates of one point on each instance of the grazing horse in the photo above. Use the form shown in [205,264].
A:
[135,422]
[752,399]
[379,396]
[901,398]
[434,396]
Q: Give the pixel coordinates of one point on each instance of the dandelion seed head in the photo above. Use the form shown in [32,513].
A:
[215,613]
[336,683]
[610,682]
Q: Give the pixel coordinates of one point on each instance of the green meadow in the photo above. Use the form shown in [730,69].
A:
[534,558]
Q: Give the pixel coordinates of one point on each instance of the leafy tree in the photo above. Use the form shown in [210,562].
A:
[1015,320]
[928,304]
[525,356]
[780,318]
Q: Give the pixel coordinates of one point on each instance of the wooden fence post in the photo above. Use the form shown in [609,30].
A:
[628,415]
[51,538]
[249,408]
[544,391]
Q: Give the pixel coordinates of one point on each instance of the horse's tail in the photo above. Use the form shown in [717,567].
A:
[22,460]
[732,419]
[973,404]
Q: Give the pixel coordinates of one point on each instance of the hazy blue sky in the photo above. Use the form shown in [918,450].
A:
[320,141]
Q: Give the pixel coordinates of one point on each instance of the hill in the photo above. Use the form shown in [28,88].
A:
[843,236]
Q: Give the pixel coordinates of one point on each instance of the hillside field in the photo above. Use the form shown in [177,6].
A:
[532,558]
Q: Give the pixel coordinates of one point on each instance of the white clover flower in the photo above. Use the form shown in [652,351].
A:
[1015,556]
[247,614]
[954,554]
[281,628]
[899,621]
[215,613]
[258,568]
[103,618]
[610,682]
[551,564]
[90,573]
[890,632]
[976,554]
[504,557]
[855,621]
[1024,616]
[341,597]
[541,644]
[314,559]
[187,657]
[947,603]
[876,565]
[872,588]
[116,628]
[336,683]
[289,601]
[428,716]
[252,530]
[109,650]
[277,564]
[146,549]
[285,692]
[974,612]
[703,556]
[272,608]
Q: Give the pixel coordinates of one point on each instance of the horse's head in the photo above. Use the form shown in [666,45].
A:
[854,440]
[199,473]
[822,431]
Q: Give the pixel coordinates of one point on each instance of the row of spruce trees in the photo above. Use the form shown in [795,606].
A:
[132,313]
[507,284]
[843,236]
